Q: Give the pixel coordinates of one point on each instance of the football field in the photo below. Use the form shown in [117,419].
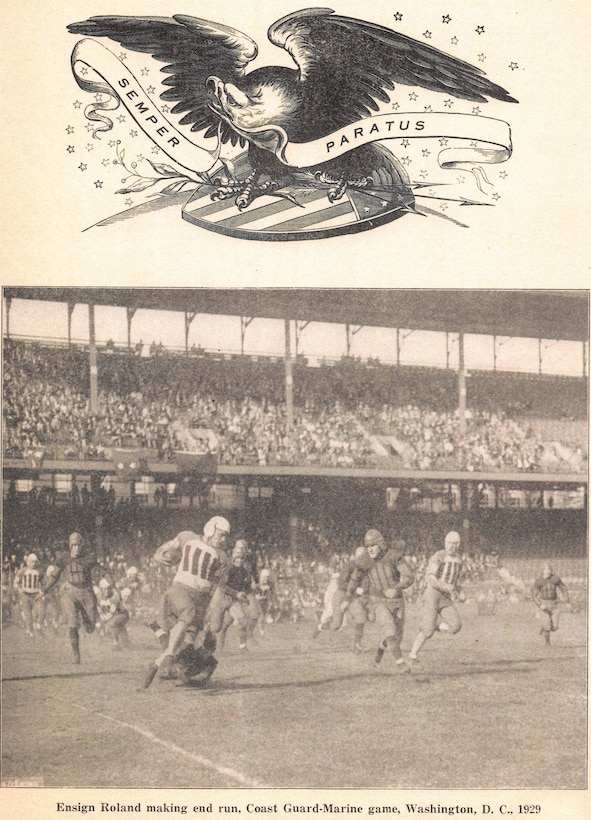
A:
[488,708]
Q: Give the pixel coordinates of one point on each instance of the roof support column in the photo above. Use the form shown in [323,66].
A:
[93,362]
[288,375]
[130,314]
[462,385]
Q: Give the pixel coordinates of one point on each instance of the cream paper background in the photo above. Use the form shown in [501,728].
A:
[536,237]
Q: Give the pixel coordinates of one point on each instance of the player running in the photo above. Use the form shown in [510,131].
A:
[201,562]
[78,598]
[548,591]
[441,578]
[230,601]
[389,575]
[27,585]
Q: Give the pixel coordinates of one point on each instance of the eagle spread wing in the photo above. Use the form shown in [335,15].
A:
[193,50]
[347,66]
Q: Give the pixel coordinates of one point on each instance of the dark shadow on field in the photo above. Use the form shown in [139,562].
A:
[67,675]
[223,687]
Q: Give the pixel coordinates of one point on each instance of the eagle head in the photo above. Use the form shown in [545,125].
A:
[260,103]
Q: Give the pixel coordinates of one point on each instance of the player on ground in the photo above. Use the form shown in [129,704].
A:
[548,592]
[78,598]
[201,562]
[389,575]
[441,579]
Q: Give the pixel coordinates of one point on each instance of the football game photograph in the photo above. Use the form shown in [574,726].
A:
[294,539]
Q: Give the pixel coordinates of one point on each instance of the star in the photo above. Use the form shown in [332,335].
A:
[383,203]
[395,106]
[444,206]
[120,118]
[112,143]
[426,152]
[150,89]
[428,108]
[89,146]
[448,103]
[105,162]
[496,197]
[446,18]
[503,175]
[443,141]
[398,16]
[83,166]
[474,144]
[70,129]
[89,127]
[412,96]
[366,210]
[123,55]
[77,104]
[406,160]
[84,70]
[461,180]
[476,110]
[70,149]
[479,29]
[481,57]
[98,97]
[513,66]
[133,133]
[424,175]
[145,72]
[155,149]
[427,35]
[129,201]
[454,41]
[165,109]
[140,157]
[98,183]
[405,143]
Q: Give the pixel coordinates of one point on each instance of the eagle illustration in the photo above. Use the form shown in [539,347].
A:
[344,69]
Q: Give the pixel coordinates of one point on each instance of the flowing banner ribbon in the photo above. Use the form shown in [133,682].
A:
[110,76]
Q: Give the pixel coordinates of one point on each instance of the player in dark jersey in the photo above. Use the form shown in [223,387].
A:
[388,576]
[78,599]
[230,601]
[201,563]
[442,577]
[346,598]
[548,591]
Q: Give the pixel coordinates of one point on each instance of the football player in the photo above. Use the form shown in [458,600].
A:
[78,597]
[547,592]
[442,577]
[27,585]
[201,562]
[388,576]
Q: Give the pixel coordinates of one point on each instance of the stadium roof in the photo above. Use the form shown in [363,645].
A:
[545,314]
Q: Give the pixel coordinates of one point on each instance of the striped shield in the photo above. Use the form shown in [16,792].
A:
[302,213]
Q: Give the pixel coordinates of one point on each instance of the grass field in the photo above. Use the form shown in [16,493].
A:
[489,708]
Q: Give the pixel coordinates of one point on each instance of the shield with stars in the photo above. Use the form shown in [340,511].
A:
[301,210]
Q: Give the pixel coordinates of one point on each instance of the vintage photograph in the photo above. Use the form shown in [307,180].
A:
[272,538]
[295,357]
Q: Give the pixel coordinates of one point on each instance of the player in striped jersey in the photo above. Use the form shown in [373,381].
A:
[547,593]
[27,584]
[387,577]
[442,576]
[201,562]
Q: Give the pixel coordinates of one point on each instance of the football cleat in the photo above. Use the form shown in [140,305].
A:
[150,676]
